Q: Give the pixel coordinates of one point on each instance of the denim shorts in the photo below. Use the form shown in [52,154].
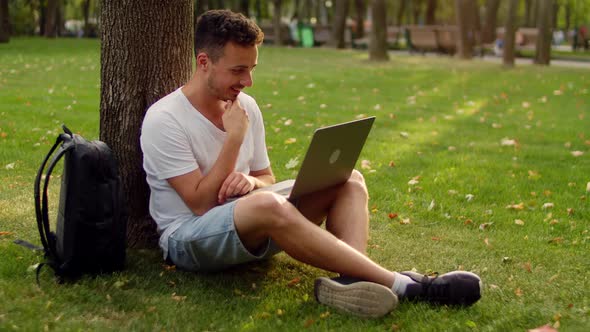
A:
[210,242]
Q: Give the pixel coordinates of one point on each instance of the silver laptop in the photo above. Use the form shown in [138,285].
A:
[329,160]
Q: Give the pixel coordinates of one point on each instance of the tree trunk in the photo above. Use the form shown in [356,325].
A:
[51,19]
[555,15]
[86,15]
[200,8]
[339,24]
[417,10]
[463,12]
[528,13]
[488,33]
[378,38]
[146,52]
[276,18]
[544,32]
[4,22]
[431,12]
[509,34]
[568,19]
[401,11]
[42,17]
[244,7]
[360,18]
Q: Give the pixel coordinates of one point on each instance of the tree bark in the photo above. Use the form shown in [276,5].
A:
[339,24]
[401,12]
[568,19]
[431,12]
[244,7]
[51,19]
[146,52]
[544,32]
[417,10]
[86,14]
[488,33]
[276,18]
[509,34]
[200,8]
[463,12]
[361,9]
[4,22]
[528,4]
[378,38]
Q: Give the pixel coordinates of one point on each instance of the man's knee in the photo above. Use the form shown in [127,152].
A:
[357,182]
[270,209]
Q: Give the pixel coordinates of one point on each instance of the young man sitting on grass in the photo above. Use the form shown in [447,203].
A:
[205,143]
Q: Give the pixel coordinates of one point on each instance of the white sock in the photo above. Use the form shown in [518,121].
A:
[400,283]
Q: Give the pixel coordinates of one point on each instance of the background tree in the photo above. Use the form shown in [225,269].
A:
[378,38]
[4,22]
[243,6]
[431,12]
[417,10]
[51,18]
[403,4]
[360,12]
[276,18]
[146,52]
[545,32]
[463,12]
[339,24]
[488,33]
[509,34]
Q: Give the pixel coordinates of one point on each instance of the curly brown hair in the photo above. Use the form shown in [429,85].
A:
[215,28]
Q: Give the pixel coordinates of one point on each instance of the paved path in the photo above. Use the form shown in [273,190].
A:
[496,59]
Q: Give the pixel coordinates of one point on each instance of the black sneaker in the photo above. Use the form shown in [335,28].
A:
[360,298]
[453,288]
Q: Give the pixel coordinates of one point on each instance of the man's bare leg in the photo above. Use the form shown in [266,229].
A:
[345,210]
[302,239]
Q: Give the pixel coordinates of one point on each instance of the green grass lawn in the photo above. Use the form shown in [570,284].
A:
[469,166]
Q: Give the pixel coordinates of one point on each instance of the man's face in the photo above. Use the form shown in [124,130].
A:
[232,72]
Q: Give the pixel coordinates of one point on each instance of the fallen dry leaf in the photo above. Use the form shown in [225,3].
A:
[293,162]
[365,164]
[404,221]
[486,225]
[519,206]
[487,242]
[290,140]
[588,187]
[577,153]
[508,142]
[518,292]
[295,281]
[6,233]
[527,266]
[392,215]
[544,328]
[178,298]
[547,206]
[519,222]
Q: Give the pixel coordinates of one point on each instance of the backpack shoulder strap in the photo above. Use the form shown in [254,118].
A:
[41,208]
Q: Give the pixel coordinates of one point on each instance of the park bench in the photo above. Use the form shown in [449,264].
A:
[393,35]
[269,34]
[421,38]
[446,39]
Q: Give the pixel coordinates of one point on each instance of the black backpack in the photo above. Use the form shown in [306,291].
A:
[91,221]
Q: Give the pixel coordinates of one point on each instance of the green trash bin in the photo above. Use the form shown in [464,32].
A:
[306,35]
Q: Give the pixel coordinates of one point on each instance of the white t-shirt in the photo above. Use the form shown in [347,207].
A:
[177,139]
